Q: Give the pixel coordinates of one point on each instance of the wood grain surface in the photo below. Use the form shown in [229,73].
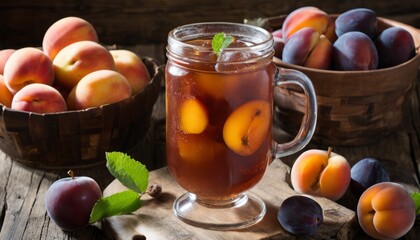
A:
[155,219]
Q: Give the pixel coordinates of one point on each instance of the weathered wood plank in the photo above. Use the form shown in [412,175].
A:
[133,22]
[155,220]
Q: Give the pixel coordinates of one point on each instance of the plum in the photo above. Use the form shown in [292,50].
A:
[69,201]
[365,173]
[395,45]
[359,19]
[300,215]
[354,51]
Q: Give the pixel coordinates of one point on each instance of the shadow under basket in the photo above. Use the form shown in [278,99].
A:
[79,139]
[354,107]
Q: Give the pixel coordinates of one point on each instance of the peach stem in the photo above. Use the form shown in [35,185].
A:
[70,173]
[329,152]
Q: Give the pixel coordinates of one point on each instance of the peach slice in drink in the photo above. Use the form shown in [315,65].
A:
[192,116]
[245,129]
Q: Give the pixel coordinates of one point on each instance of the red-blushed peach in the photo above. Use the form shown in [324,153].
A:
[39,98]
[78,59]
[131,67]
[99,88]
[321,173]
[5,95]
[66,31]
[25,66]
[305,17]
[386,211]
[308,48]
[4,55]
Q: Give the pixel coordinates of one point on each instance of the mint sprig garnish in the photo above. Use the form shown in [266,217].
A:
[131,174]
[220,41]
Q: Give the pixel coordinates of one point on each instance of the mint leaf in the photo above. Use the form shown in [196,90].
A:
[116,204]
[128,171]
[416,198]
[220,41]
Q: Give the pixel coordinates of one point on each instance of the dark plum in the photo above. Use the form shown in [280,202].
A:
[69,201]
[365,173]
[354,51]
[359,19]
[395,45]
[300,215]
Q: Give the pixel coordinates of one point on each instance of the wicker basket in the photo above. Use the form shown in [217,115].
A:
[354,107]
[79,138]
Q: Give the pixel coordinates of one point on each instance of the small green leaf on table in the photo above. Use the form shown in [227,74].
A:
[128,171]
[116,204]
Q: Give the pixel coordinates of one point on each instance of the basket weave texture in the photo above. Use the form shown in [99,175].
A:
[354,107]
[79,139]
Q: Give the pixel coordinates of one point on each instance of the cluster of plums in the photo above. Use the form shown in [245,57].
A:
[310,37]
[328,174]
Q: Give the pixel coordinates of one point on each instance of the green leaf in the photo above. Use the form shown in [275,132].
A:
[220,41]
[128,171]
[116,204]
[416,198]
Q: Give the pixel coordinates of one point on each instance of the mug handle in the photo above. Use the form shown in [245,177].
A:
[307,127]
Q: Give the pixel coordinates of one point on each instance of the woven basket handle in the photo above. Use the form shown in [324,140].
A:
[307,128]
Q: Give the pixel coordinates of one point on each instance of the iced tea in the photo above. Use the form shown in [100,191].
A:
[219,115]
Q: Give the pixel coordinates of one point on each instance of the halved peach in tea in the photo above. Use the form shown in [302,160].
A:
[246,128]
[193,117]
[199,148]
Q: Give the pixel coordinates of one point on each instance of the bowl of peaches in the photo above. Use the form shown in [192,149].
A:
[363,68]
[65,104]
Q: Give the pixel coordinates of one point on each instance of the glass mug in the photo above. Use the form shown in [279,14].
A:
[219,111]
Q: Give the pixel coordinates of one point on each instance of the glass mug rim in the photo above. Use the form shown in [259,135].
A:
[261,44]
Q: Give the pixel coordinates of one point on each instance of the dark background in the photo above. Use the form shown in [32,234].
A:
[130,22]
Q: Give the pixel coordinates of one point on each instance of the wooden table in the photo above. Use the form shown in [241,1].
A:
[22,189]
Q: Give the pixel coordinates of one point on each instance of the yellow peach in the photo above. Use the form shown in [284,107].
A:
[4,56]
[66,31]
[78,59]
[305,17]
[131,67]
[386,211]
[39,98]
[99,88]
[193,116]
[247,126]
[5,95]
[321,173]
[25,66]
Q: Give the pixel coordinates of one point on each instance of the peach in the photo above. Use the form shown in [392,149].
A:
[131,67]
[308,48]
[5,95]
[321,173]
[4,55]
[66,31]
[193,117]
[386,211]
[305,17]
[99,88]
[78,59]
[247,126]
[25,66]
[38,98]
[196,148]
